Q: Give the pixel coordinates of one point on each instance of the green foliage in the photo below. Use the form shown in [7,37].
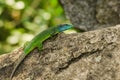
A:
[20,20]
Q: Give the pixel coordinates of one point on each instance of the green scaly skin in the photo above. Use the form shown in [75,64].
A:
[37,42]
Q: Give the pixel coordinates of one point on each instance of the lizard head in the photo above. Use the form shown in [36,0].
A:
[64,27]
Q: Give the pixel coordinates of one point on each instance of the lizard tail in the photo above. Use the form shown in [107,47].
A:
[22,56]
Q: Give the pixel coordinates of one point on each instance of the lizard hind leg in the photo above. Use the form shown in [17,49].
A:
[26,44]
[40,47]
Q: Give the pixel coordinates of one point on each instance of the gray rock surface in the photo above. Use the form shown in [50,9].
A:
[92,14]
[93,55]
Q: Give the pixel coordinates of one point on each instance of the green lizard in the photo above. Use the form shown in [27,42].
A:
[37,42]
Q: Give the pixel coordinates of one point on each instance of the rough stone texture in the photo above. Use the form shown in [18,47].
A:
[93,55]
[92,14]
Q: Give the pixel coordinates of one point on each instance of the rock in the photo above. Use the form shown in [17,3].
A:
[93,55]
[92,14]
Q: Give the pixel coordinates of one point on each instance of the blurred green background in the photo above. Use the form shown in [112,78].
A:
[21,20]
